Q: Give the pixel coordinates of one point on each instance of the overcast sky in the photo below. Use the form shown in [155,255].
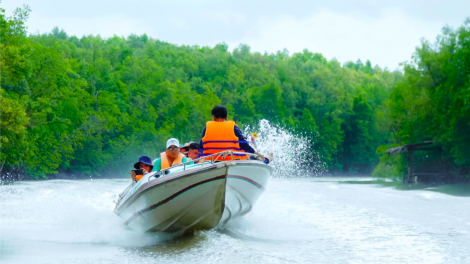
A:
[384,32]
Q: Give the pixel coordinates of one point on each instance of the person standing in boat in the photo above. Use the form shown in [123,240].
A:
[221,135]
[171,157]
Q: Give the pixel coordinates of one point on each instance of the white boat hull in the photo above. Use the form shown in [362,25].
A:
[245,184]
[200,197]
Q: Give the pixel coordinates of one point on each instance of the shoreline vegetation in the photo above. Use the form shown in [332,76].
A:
[92,105]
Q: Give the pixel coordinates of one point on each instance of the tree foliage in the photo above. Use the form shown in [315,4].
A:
[92,105]
[432,102]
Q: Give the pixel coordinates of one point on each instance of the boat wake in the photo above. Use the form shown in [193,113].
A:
[241,235]
[67,212]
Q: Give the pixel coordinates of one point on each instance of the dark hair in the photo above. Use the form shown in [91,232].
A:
[194,146]
[219,112]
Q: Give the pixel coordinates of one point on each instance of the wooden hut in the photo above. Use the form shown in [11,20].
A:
[412,176]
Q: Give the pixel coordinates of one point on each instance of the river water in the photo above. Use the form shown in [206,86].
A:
[317,220]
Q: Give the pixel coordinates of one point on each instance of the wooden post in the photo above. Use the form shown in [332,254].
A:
[405,178]
[410,165]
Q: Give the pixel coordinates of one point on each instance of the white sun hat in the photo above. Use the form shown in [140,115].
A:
[172,141]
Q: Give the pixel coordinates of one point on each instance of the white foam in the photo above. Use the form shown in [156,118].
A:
[294,155]
[66,212]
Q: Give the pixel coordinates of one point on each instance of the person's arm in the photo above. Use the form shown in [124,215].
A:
[245,146]
[201,147]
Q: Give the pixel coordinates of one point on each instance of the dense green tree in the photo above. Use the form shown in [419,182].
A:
[91,105]
[432,102]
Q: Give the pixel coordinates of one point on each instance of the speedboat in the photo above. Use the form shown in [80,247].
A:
[192,196]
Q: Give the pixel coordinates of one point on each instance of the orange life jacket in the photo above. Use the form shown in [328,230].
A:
[166,162]
[220,136]
[138,177]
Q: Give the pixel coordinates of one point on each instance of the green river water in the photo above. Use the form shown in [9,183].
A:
[316,220]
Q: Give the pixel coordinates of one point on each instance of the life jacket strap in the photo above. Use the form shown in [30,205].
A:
[225,141]
[225,148]
[234,154]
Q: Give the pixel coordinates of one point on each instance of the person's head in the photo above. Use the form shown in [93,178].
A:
[182,150]
[185,148]
[219,113]
[145,162]
[193,150]
[172,148]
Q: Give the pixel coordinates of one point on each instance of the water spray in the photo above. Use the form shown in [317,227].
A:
[293,152]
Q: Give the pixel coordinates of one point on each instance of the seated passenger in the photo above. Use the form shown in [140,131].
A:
[221,135]
[171,157]
[144,163]
[183,150]
[193,151]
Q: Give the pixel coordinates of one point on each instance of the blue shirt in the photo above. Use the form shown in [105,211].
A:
[245,146]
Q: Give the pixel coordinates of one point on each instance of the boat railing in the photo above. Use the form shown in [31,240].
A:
[206,160]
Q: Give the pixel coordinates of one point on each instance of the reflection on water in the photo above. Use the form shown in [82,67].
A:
[313,220]
[450,189]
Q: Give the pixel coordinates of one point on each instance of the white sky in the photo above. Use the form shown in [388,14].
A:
[385,32]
